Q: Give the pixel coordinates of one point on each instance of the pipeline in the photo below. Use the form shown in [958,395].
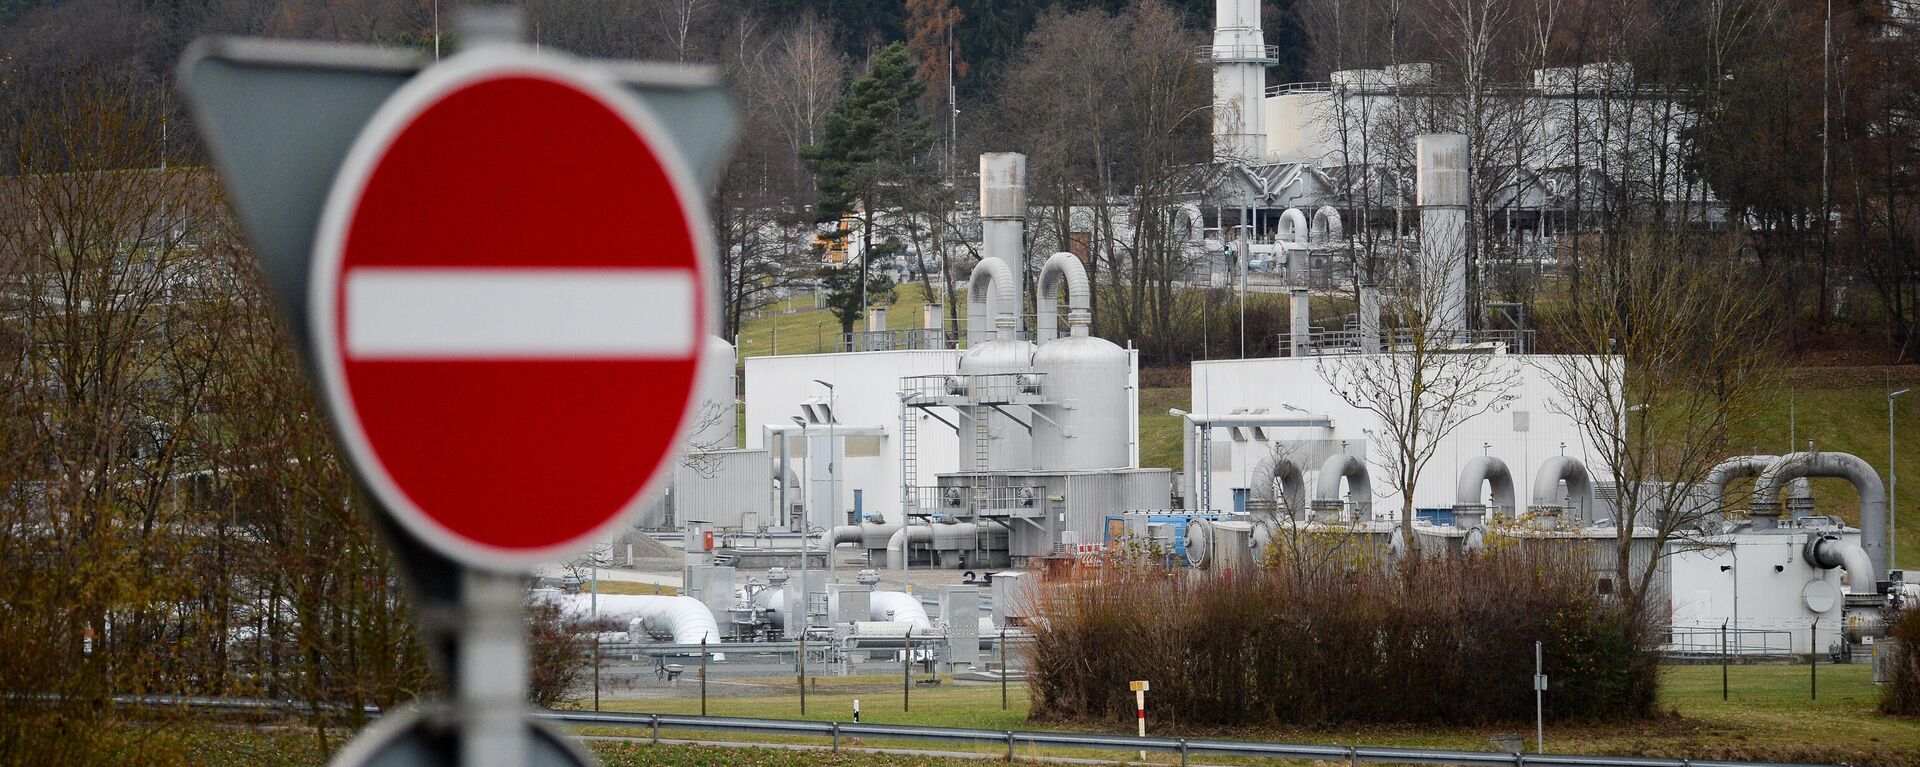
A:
[1481,470]
[1058,268]
[992,289]
[1546,487]
[682,619]
[1866,482]
[1829,551]
[899,607]
[1340,466]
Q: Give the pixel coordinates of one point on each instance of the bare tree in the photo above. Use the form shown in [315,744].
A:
[1675,352]
[1425,386]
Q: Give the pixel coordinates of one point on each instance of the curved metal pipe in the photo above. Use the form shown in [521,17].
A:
[1484,470]
[1866,482]
[992,289]
[683,619]
[1359,486]
[897,544]
[1328,226]
[1725,472]
[899,607]
[1293,484]
[1293,225]
[1546,486]
[1063,267]
[1829,551]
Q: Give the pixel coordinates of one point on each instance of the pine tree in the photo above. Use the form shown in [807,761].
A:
[873,143]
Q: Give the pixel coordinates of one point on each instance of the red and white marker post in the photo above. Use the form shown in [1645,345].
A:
[1139,687]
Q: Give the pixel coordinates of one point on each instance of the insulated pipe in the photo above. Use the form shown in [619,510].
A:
[1866,482]
[1482,470]
[1740,466]
[1063,267]
[1359,487]
[992,291]
[1003,211]
[1293,486]
[1327,224]
[1300,330]
[899,607]
[1190,464]
[1829,551]
[897,544]
[1546,486]
[841,534]
[683,619]
[1293,225]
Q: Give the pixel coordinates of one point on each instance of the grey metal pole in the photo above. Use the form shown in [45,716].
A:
[1723,660]
[1893,487]
[1813,659]
[1539,700]
[800,663]
[906,674]
[703,676]
[1003,668]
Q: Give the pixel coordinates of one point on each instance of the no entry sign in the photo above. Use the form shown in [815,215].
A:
[508,303]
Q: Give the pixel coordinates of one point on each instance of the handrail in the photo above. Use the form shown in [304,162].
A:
[1182,746]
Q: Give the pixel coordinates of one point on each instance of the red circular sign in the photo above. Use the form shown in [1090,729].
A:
[508,305]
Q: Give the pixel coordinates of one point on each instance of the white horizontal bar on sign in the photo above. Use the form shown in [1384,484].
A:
[503,313]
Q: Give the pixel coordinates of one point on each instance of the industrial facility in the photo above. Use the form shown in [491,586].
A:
[1008,448]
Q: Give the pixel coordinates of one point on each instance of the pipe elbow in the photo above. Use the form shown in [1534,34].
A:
[1830,552]
[1479,471]
[1359,485]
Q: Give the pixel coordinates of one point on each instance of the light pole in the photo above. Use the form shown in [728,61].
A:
[833,476]
[806,524]
[1893,485]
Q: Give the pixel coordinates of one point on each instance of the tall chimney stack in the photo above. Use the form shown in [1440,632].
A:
[1240,58]
[1003,212]
[1441,189]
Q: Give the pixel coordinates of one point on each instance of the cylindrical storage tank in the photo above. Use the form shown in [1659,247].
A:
[715,427]
[1086,426]
[1010,447]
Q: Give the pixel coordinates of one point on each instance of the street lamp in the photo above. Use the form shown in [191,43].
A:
[833,476]
[1893,485]
[806,524]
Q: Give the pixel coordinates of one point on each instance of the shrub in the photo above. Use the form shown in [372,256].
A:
[1437,640]
[1901,695]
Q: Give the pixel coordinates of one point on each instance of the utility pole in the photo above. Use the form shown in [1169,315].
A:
[1893,485]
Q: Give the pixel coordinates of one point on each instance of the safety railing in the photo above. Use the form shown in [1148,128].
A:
[984,389]
[895,340]
[1708,641]
[1325,342]
[1209,54]
[1013,739]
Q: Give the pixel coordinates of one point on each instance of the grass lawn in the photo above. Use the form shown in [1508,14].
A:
[807,330]
[630,587]
[1768,716]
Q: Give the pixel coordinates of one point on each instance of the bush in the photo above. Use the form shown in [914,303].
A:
[1901,695]
[1439,640]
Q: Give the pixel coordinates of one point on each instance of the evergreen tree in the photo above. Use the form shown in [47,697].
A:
[873,144]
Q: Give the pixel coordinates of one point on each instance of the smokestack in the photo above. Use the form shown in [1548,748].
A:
[1301,333]
[1003,212]
[1240,58]
[1441,189]
[1370,318]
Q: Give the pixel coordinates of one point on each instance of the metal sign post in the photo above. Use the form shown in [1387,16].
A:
[1139,688]
[1539,699]
[335,158]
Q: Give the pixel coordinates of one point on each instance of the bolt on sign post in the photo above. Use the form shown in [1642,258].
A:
[500,268]
[1139,688]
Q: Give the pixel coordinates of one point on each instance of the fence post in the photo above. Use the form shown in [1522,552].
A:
[800,663]
[703,676]
[1723,660]
[1183,752]
[656,729]
[1009,745]
[836,736]
[596,672]
[1003,668]
[1813,659]
[906,674]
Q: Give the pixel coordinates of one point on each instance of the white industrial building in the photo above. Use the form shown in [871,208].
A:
[1524,434]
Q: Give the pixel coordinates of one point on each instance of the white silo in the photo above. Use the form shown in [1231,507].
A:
[1084,377]
[992,441]
[714,427]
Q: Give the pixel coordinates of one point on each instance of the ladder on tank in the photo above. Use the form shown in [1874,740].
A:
[909,460]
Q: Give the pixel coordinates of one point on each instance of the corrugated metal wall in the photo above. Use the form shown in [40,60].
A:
[721,489]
